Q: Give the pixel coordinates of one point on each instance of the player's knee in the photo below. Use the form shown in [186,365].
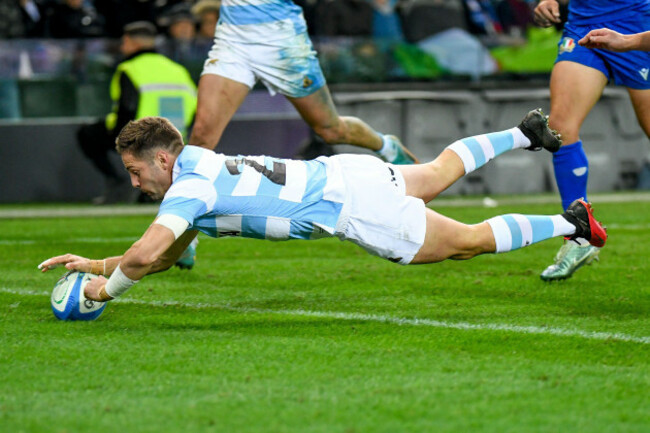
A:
[203,133]
[568,129]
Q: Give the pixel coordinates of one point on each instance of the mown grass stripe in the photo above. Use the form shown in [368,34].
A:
[402,321]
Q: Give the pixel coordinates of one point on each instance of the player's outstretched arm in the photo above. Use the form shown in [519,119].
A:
[607,39]
[170,256]
[138,261]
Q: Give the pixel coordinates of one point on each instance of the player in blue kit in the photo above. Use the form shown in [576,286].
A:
[577,81]
[378,206]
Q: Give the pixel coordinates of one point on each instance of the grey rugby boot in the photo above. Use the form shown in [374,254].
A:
[569,259]
[535,128]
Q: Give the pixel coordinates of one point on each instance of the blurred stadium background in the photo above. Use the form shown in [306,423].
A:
[430,71]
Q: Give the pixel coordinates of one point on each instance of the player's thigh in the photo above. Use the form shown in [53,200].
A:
[447,238]
[218,100]
[641,103]
[575,89]
[317,109]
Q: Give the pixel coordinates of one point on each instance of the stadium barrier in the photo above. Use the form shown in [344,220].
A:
[46,164]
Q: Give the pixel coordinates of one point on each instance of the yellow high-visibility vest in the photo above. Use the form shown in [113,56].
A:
[166,89]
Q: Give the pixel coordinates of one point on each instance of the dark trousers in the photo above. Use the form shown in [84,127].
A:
[97,143]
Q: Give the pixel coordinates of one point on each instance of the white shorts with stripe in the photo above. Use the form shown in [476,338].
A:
[377,215]
[288,66]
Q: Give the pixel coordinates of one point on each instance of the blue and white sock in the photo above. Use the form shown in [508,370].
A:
[514,231]
[571,172]
[476,151]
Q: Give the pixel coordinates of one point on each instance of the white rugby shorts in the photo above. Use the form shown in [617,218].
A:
[287,66]
[377,214]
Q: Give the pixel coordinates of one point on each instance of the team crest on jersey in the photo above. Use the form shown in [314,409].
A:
[644,73]
[567,45]
[306,82]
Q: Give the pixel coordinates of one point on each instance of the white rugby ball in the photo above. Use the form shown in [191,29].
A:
[68,300]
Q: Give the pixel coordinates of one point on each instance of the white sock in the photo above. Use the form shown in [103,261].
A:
[514,231]
[476,151]
[388,149]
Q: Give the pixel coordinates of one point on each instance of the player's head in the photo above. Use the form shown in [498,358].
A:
[149,147]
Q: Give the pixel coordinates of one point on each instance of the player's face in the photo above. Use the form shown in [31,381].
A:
[153,177]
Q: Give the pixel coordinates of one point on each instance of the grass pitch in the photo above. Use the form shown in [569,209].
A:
[321,337]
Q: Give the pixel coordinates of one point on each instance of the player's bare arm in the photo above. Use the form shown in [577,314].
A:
[547,13]
[607,39]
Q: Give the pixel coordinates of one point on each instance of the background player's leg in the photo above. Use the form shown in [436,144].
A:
[575,89]
[319,112]
[641,103]
[218,100]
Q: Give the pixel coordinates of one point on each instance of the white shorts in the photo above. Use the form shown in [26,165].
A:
[377,215]
[288,66]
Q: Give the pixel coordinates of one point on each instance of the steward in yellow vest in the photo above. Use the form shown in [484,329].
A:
[145,84]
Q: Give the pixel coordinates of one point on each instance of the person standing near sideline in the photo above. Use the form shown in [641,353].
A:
[145,83]
[577,81]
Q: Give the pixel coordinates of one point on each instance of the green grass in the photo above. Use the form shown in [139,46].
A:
[244,342]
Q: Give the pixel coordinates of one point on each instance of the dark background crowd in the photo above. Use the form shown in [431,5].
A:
[407,20]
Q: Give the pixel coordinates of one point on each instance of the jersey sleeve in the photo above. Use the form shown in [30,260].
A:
[189,197]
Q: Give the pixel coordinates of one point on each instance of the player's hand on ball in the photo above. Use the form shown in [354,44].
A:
[93,288]
[70,261]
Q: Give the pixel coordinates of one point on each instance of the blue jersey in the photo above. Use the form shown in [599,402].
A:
[259,20]
[257,197]
[629,69]
[601,11]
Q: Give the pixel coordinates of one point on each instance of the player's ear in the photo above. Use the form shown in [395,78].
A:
[163,158]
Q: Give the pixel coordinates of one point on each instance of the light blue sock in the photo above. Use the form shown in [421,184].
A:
[476,151]
[514,231]
[571,172]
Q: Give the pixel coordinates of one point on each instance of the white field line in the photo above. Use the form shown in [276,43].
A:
[378,318]
[104,240]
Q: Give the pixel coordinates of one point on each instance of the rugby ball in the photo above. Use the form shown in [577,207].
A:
[68,300]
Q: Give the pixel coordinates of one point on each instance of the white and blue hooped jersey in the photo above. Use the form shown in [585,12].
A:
[259,20]
[256,197]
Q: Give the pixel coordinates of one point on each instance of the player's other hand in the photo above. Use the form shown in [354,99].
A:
[70,261]
[547,13]
[91,291]
[605,39]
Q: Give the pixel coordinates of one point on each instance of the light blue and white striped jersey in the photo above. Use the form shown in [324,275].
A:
[256,197]
[259,20]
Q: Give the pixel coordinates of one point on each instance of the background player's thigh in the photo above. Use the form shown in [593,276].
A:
[219,98]
[575,89]
[641,103]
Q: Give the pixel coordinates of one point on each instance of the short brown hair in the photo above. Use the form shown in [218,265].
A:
[140,137]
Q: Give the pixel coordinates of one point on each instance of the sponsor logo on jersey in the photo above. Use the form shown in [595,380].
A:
[644,73]
[567,45]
